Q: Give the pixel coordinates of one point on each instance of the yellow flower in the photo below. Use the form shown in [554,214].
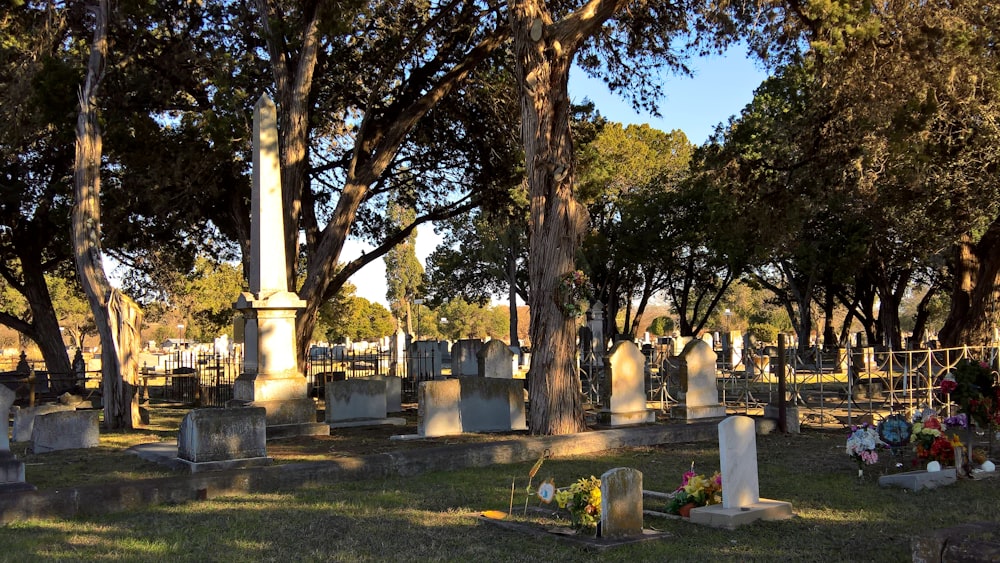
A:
[595,497]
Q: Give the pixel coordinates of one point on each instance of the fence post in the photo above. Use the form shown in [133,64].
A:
[782,421]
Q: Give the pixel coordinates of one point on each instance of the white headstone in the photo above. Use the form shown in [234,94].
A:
[7,397]
[738,457]
[438,408]
[625,393]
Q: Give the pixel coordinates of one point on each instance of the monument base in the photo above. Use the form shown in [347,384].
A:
[255,387]
[792,425]
[389,421]
[12,474]
[731,518]
[917,480]
[684,412]
[198,467]
[288,418]
[608,418]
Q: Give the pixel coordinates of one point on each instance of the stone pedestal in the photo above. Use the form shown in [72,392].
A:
[792,424]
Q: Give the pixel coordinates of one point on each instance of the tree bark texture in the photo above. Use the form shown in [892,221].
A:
[974,314]
[544,52]
[117,317]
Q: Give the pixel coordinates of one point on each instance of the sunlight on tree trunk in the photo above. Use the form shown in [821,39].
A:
[117,317]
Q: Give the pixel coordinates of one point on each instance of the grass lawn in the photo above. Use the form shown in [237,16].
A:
[433,517]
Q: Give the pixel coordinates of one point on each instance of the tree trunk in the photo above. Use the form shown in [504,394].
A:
[43,320]
[512,296]
[974,311]
[543,58]
[116,316]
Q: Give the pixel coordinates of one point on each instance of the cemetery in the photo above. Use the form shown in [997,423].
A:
[822,380]
[232,427]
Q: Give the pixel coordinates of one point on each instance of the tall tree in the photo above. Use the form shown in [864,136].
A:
[403,272]
[371,126]
[118,318]
[547,39]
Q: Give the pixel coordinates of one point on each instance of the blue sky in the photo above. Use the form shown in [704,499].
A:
[721,86]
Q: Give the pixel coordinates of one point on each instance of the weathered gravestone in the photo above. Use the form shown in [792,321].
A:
[24,418]
[357,402]
[393,391]
[468,404]
[495,359]
[699,390]
[11,469]
[464,357]
[438,408]
[492,405]
[625,395]
[212,439]
[67,430]
[271,378]
[621,503]
[741,502]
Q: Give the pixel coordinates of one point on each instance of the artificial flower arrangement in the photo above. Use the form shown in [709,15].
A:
[863,444]
[930,442]
[973,387]
[583,501]
[573,294]
[695,490]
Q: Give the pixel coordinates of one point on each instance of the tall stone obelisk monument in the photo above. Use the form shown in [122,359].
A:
[271,377]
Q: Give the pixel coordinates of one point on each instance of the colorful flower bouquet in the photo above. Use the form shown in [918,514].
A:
[863,444]
[583,501]
[695,490]
[930,442]
[973,387]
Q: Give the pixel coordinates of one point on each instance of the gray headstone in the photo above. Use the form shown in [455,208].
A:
[355,399]
[438,408]
[67,430]
[7,397]
[213,435]
[24,419]
[738,457]
[393,391]
[621,503]
[492,404]
[464,357]
[496,360]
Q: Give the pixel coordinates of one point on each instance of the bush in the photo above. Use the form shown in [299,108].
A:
[763,332]
[661,326]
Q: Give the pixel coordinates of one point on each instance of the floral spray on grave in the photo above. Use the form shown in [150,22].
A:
[695,490]
[863,444]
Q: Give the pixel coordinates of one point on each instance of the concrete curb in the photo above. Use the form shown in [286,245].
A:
[114,497]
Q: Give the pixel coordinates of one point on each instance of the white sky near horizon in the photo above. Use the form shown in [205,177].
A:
[721,86]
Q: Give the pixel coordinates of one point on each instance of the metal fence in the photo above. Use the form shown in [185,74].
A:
[828,387]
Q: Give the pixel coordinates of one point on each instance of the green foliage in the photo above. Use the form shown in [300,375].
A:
[458,319]
[662,326]
[763,332]
[356,318]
